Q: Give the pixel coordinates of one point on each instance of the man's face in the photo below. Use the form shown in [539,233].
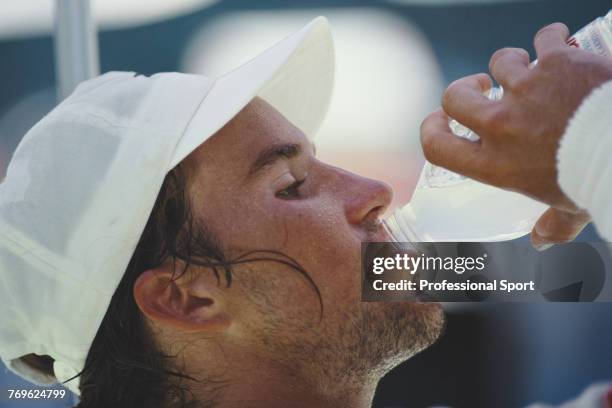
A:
[257,185]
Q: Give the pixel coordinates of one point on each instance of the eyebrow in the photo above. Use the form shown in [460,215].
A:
[271,155]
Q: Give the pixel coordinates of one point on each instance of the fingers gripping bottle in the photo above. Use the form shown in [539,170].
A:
[450,207]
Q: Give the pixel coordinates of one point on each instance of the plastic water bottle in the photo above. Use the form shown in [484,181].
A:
[447,206]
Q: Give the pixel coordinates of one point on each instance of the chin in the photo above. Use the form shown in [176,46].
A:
[404,329]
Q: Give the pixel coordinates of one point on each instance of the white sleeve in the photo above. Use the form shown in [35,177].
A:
[584,158]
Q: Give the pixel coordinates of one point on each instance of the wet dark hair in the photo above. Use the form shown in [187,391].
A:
[124,367]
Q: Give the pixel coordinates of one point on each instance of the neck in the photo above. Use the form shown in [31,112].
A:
[263,386]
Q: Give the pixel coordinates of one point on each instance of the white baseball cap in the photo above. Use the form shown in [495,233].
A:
[83,181]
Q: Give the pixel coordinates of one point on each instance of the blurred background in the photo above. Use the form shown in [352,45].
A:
[394,59]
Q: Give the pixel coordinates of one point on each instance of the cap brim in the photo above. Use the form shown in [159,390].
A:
[295,76]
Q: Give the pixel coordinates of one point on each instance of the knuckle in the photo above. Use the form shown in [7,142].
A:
[558,26]
[428,145]
[449,93]
[502,54]
[499,54]
[551,28]
[543,30]
[425,125]
[495,57]
[431,148]
[523,52]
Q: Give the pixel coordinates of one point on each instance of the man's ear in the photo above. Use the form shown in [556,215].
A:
[193,302]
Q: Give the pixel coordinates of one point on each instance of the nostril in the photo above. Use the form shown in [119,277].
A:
[372,226]
[378,211]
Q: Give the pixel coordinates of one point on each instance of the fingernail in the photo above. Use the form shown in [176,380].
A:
[543,247]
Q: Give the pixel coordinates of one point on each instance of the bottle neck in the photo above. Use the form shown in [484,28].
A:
[402,226]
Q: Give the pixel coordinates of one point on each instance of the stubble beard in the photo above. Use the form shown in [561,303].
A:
[383,335]
[356,353]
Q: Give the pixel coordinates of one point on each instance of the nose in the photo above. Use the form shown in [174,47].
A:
[367,200]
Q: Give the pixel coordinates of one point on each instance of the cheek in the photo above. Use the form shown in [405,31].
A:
[313,224]
[264,220]
[323,242]
[314,232]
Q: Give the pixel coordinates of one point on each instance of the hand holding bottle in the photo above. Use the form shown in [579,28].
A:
[519,133]
[506,137]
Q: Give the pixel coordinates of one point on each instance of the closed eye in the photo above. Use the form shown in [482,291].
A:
[290,192]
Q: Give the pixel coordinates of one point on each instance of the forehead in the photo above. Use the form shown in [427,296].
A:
[257,126]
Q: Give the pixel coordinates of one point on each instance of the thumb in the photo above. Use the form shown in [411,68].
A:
[557,226]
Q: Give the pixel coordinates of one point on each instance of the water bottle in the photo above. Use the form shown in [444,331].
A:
[447,206]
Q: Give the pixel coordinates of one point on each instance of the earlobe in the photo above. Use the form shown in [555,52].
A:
[191,303]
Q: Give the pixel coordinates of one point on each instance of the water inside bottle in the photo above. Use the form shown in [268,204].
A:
[447,206]
[463,211]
